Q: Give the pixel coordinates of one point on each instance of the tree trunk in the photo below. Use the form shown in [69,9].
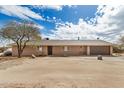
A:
[19,55]
[19,51]
[21,47]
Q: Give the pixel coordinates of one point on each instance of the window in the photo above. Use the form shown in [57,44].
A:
[65,48]
[40,48]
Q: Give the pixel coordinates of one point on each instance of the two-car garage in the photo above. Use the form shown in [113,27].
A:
[100,50]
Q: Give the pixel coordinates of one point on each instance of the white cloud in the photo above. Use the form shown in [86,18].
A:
[109,27]
[54,18]
[72,31]
[111,24]
[39,26]
[19,11]
[55,7]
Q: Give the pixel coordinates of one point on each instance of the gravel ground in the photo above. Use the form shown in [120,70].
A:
[63,72]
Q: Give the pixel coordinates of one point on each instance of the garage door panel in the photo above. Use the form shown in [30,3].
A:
[100,50]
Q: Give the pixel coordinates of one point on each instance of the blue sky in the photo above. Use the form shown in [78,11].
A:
[67,14]
[69,22]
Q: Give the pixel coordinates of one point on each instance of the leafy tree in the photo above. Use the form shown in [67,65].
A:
[20,34]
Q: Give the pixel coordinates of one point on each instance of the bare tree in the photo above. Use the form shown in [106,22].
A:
[121,43]
[122,40]
[20,34]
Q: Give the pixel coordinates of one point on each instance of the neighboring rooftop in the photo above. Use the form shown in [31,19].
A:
[69,42]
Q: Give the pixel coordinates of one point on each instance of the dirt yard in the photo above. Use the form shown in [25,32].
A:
[62,72]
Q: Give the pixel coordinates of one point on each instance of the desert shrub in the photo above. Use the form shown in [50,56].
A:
[2,49]
[117,49]
[8,53]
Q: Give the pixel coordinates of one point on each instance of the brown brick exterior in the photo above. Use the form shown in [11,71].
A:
[59,50]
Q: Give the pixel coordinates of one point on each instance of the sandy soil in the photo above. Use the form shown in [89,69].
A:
[63,72]
[2,59]
[7,62]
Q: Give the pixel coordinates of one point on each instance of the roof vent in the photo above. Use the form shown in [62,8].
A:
[46,38]
[97,38]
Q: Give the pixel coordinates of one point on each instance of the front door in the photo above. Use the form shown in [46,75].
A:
[49,50]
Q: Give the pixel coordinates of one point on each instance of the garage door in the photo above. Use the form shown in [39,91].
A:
[99,50]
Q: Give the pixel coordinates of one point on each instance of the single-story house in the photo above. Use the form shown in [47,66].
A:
[66,48]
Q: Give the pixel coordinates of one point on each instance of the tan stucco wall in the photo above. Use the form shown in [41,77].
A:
[111,50]
[29,50]
[44,50]
[72,50]
[59,50]
[77,50]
